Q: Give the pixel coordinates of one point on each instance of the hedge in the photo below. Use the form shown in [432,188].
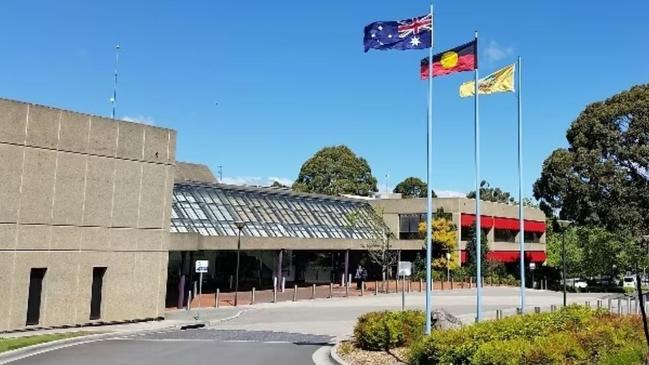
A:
[572,335]
[386,330]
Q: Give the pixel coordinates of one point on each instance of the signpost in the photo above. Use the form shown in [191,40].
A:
[404,269]
[201,267]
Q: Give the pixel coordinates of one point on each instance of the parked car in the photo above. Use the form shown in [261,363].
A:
[576,283]
[629,282]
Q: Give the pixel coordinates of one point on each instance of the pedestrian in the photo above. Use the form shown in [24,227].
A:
[359,277]
[363,276]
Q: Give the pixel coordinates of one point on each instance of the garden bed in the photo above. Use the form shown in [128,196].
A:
[572,335]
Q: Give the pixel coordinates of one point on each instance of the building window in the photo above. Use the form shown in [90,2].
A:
[505,235]
[409,226]
[533,237]
[467,232]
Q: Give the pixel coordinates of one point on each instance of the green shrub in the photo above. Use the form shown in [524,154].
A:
[628,355]
[386,330]
[573,335]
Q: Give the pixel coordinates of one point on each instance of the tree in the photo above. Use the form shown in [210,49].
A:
[378,247]
[413,187]
[602,178]
[444,239]
[487,193]
[471,257]
[334,171]
[278,185]
[593,252]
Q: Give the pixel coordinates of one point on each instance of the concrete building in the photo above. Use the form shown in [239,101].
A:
[98,222]
[498,221]
[84,217]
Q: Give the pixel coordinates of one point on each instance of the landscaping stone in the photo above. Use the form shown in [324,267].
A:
[443,320]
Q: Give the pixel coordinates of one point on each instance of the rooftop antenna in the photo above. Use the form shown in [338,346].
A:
[219,171]
[113,100]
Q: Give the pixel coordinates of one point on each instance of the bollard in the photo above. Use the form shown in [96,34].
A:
[499,313]
[331,290]
[470,282]
[628,305]
[362,289]
[451,283]
[252,296]
[283,283]
[518,310]
[216,298]
[347,290]
[376,288]
[635,305]
[537,309]
[553,308]
[386,288]
[619,305]
[275,295]
[294,293]
[599,304]
[342,280]
[313,292]
[189,301]
[421,284]
[587,304]
[610,304]
[409,285]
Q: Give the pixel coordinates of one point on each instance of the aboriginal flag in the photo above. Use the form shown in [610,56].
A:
[458,59]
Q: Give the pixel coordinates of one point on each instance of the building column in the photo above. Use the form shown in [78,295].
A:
[278,268]
[182,279]
[347,266]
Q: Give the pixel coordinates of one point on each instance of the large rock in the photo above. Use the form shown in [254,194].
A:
[442,320]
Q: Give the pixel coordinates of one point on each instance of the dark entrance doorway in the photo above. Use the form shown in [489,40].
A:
[95,298]
[36,276]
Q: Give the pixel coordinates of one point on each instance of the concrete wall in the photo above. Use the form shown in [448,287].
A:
[186,171]
[76,192]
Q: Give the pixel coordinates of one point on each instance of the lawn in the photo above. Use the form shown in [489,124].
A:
[8,344]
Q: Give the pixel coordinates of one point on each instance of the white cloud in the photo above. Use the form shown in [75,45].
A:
[256,180]
[142,119]
[449,194]
[496,52]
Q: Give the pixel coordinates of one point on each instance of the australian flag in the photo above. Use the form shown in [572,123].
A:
[415,33]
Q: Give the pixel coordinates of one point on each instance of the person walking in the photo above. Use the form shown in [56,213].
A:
[359,277]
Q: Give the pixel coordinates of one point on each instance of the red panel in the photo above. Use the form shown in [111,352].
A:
[513,224]
[514,256]
[534,226]
[462,256]
[506,223]
[467,220]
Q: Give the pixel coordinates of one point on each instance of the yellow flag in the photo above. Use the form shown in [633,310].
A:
[498,82]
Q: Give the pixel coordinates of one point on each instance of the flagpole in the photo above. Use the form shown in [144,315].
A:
[429,191]
[521,224]
[478,231]
[113,100]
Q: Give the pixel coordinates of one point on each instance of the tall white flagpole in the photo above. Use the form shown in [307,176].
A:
[478,231]
[521,210]
[429,198]
[113,99]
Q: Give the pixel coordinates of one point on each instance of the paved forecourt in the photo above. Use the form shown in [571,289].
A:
[286,333]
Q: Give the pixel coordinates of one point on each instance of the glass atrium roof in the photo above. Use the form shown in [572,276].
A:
[212,209]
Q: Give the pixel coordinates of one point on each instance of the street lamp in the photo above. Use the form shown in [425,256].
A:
[240,225]
[448,266]
[565,225]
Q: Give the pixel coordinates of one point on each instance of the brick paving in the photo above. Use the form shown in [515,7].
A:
[321,292]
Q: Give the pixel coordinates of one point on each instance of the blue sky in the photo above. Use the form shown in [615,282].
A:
[259,86]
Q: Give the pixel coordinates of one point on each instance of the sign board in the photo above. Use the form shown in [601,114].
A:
[405,268]
[201,266]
